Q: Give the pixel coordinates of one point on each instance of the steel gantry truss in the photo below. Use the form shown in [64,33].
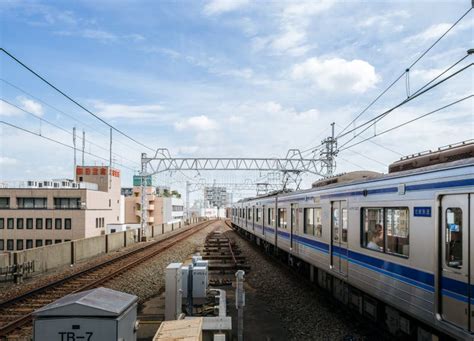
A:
[291,167]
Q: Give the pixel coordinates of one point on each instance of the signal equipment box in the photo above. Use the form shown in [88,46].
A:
[92,315]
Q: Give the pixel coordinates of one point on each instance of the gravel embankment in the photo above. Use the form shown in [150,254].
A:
[307,312]
[147,279]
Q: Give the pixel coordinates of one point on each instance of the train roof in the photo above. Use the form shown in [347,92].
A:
[442,166]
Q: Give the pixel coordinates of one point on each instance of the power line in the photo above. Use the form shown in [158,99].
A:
[408,122]
[73,100]
[404,72]
[382,115]
[61,143]
[62,129]
[64,113]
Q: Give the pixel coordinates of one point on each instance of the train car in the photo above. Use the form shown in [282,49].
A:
[397,247]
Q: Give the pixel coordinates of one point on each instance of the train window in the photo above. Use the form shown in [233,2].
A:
[293,217]
[318,222]
[308,227]
[373,229]
[454,238]
[386,230]
[344,225]
[335,224]
[271,218]
[258,212]
[282,218]
[396,227]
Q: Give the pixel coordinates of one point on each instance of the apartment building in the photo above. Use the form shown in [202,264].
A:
[37,213]
[162,207]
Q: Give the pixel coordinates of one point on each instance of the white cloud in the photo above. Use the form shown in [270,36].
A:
[294,21]
[7,161]
[116,110]
[31,106]
[216,7]
[390,19]
[99,35]
[338,74]
[7,110]
[197,123]
[435,31]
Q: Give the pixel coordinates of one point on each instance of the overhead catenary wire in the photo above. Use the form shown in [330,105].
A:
[63,129]
[62,112]
[377,118]
[61,143]
[404,72]
[73,100]
[409,121]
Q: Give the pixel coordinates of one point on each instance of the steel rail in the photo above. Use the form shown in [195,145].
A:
[163,244]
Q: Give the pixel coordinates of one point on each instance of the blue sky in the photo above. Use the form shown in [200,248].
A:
[228,78]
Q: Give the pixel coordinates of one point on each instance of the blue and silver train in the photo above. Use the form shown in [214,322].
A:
[399,247]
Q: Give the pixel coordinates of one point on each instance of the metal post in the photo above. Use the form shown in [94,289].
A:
[83,146]
[188,184]
[189,300]
[240,303]
[75,149]
[144,216]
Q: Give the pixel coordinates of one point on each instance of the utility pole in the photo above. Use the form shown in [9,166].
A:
[240,303]
[188,184]
[83,146]
[328,153]
[74,144]
[144,213]
[110,160]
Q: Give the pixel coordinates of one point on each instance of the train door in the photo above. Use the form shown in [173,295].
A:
[339,224]
[293,225]
[253,218]
[455,296]
[263,220]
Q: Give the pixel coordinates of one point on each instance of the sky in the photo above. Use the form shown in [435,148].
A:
[227,78]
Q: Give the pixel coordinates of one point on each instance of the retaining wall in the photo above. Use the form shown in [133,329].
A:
[46,257]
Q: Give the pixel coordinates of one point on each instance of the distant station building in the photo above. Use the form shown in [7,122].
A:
[163,205]
[37,213]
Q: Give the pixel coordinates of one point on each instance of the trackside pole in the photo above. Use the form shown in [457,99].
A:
[240,303]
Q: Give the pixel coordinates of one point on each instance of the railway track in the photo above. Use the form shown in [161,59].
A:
[16,312]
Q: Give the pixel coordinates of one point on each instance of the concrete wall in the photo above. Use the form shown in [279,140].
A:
[115,241]
[89,247]
[46,257]
[64,254]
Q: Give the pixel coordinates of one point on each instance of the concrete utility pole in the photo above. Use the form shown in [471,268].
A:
[83,146]
[110,160]
[240,303]
[74,144]
[188,184]
[328,153]
[144,201]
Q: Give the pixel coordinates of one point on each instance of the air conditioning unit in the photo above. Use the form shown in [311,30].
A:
[47,184]
[32,184]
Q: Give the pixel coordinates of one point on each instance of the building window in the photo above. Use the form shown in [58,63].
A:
[10,223]
[49,223]
[4,202]
[67,203]
[177,208]
[57,241]
[19,223]
[282,223]
[58,223]
[103,222]
[29,223]
[39,242]
[29,243]
[39,223]
[110,202]
[48,242]
[67,223]
[96,222]
[10,245]
[29,203]
[19,244]
[2,223]
[386,230]
[2,245]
